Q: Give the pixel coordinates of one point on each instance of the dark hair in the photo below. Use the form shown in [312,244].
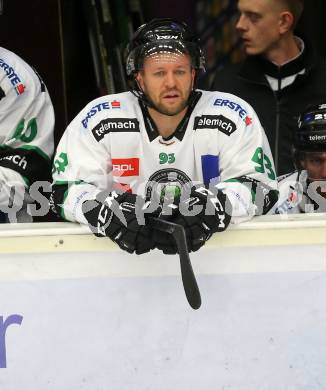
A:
[296,9]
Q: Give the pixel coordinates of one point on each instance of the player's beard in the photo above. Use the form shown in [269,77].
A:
[165,110]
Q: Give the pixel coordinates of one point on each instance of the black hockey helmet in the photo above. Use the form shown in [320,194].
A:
[163,36]
[310,135]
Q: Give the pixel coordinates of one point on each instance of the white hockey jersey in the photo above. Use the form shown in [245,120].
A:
[26,125]
[113,143]
[298,195]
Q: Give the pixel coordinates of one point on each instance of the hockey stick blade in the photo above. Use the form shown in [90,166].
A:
[188,277]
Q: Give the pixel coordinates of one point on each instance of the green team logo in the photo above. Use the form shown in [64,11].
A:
[166,184]
[60,163]
[170,191]
[26,133]
[264,164]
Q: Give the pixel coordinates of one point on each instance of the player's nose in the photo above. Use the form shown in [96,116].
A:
[170,80]
[241,23]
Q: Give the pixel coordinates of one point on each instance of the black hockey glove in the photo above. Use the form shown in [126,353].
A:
[120,216]
[202,213]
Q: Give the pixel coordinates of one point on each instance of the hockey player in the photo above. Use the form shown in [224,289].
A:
[304,190]
[26,135]
[125,156]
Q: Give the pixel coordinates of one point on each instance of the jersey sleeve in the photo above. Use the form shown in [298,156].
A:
[247,172]
[81,167]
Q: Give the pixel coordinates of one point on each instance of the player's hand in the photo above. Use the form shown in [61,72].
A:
[164,241]
[201,212]
[120,217]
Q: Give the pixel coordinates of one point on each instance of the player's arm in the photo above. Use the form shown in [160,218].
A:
[246,182]
[80,171]
[247,172]
[82,190]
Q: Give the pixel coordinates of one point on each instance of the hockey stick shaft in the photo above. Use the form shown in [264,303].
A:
[188,277]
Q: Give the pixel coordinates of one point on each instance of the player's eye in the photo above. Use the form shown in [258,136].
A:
[253,17]
[316,161]
[159,73]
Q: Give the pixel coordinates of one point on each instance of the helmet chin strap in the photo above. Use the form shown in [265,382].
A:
[140,94]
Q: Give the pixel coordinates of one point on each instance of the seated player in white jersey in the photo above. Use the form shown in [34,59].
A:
[26,137]
[197,158]
[304,191]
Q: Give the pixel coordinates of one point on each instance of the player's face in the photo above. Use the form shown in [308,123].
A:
[167,80]
[259,25]
[315,164]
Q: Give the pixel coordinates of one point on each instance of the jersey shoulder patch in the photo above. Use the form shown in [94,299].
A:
[222,111]
[106,106]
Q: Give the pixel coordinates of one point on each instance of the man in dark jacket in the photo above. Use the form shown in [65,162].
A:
[280,75]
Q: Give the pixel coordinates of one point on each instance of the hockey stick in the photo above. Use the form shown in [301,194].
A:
[188,277]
